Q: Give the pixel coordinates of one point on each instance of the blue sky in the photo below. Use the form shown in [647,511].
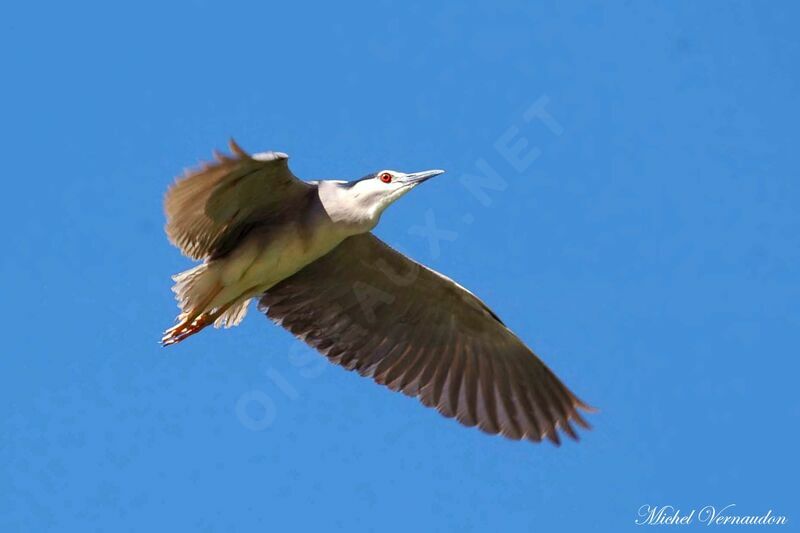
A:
[647,249]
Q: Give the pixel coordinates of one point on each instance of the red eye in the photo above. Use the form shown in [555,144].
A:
[386,177]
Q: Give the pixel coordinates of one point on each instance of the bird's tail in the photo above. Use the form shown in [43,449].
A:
[234,315]
[194,288]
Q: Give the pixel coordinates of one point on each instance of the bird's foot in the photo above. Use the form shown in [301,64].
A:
[185,329]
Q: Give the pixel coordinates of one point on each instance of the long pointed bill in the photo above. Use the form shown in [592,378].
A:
[418,177]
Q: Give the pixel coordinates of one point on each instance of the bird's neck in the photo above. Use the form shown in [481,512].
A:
[346,209]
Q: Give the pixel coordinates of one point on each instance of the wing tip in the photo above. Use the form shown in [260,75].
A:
[580,404]
[236,149]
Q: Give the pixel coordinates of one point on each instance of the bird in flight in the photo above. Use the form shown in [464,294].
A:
[305,250]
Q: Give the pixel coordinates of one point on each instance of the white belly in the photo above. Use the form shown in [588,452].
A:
[258,264]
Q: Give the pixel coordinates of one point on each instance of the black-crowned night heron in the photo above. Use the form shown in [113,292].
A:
[306,251]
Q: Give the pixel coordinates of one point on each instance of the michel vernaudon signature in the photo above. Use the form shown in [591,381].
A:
[709,515]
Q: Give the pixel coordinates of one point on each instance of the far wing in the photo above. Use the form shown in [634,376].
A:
[211,206]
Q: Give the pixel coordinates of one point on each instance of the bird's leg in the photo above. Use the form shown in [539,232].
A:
[189,323]
[200,322]
[197,321]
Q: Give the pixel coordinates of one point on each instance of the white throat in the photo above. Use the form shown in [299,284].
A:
[349,207]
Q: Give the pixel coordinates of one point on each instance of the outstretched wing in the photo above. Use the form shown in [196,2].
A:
[211,206]
[371,309]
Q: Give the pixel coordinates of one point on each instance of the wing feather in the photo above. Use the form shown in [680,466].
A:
[427,337]
[209,209]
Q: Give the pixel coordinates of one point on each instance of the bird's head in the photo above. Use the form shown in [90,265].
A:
[368,197]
